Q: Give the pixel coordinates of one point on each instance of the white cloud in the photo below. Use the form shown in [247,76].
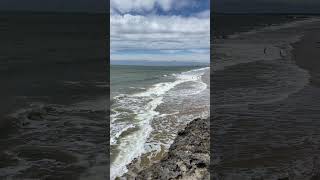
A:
[130,32]
[170,36]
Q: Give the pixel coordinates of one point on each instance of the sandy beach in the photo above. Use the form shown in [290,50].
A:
[265,119]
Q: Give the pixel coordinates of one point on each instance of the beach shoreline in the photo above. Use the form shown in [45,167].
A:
[265,126]
[188,156]
[206,78]
[135,169]
[306,53]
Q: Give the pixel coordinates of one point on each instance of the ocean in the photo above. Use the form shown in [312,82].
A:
[263,103]
[149,105]
[53,112]
[229,24]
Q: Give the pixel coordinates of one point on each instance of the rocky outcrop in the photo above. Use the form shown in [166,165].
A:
[187,158]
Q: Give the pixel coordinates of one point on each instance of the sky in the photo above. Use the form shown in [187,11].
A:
[266,6]
[160,30]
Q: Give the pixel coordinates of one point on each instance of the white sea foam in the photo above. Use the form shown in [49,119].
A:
[119,130]
[144,106]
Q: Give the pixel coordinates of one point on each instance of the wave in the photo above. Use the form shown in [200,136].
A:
[143,107]
[63,136]
[263,55]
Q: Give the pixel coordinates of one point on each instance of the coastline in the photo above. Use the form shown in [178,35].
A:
[166,157]
[188,157]
[306,53]
[267,129]
[206,78]
[285,160]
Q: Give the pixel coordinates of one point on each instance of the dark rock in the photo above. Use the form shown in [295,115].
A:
[201,165]
[181,133]
[188,156]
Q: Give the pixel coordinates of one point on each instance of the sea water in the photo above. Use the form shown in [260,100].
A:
[149,105]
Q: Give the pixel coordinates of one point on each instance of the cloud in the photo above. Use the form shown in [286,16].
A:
[203,14]
[134,32]
[126,6]
[150,36]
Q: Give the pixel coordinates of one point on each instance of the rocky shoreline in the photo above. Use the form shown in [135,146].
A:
[188,157]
